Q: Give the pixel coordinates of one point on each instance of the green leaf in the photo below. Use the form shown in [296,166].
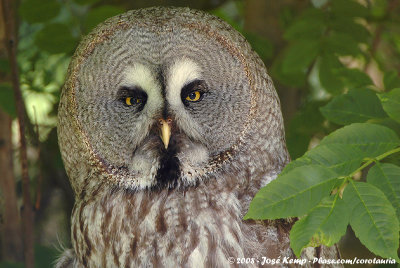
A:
[353,78]
[371,139]
[309,28]
[299,55]
[386,177]
[325,224]
[7,102]
[97,15]
[55,38]
[299,162]
[390,123]
[297,143]
[373,218]
[348,26]
[262,46]
[359,105]
[295,78]
[327,76]
[391,80]
[348,8]
[391,103]
[341,44]
[34,11]
[303,125]
[341,158]
[312,13]
[292,194]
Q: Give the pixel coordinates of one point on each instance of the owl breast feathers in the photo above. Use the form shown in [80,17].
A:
[168,126]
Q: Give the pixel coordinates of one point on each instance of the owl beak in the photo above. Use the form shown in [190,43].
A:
[165,131]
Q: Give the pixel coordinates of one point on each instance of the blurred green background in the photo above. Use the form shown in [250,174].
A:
[315,50]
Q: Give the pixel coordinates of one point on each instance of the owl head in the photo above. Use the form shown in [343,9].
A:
[164,98]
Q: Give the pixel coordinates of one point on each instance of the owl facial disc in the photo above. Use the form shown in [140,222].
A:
[163,109]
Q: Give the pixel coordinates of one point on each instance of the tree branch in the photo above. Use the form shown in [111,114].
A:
[27,213]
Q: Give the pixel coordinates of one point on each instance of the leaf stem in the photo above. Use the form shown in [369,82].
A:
[367,163]
[378,158]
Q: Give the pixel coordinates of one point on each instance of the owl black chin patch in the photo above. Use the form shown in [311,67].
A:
[169,171]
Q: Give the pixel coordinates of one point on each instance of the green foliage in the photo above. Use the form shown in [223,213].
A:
[232,12]
[340,158]
[391,103]
[299,55]
[322,174]
[372,140]
[306,185]
[386,178]
[99,14]
[391,80]
[358,105]
[61,39]
[34,11]
[302,127]
[325,224]
[329,67]
[348,8]
[372,218]
[354,78]
[325,186]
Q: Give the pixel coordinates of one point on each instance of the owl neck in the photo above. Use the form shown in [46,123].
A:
[196,225]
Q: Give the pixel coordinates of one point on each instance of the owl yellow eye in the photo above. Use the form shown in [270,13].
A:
[193,92]
[129,100]
[194,96]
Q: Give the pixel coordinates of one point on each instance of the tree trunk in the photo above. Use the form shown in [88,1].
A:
[11,246]
[10,42]
[10,224]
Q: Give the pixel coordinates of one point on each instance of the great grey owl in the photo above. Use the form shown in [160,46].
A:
[168,126]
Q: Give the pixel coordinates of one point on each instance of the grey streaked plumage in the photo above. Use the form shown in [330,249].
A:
[138,204]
